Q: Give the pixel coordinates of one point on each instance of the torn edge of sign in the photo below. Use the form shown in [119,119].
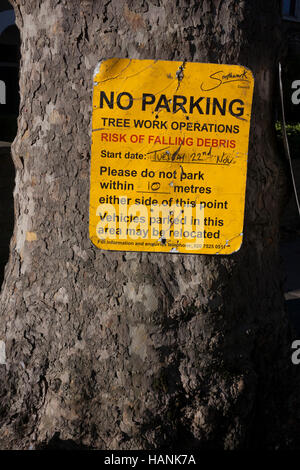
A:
[98,65]
[96,71]
[230,240]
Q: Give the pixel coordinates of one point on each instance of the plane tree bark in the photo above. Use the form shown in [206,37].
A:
[135,350]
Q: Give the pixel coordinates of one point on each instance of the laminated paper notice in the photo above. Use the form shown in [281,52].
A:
[169,156]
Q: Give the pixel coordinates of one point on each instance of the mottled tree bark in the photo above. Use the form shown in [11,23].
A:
[128,350]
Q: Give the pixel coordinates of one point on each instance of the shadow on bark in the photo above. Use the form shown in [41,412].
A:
[56,443]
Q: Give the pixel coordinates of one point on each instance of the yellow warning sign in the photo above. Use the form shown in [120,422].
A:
[169,156]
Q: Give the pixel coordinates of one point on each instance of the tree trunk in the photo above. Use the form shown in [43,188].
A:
[116,350]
